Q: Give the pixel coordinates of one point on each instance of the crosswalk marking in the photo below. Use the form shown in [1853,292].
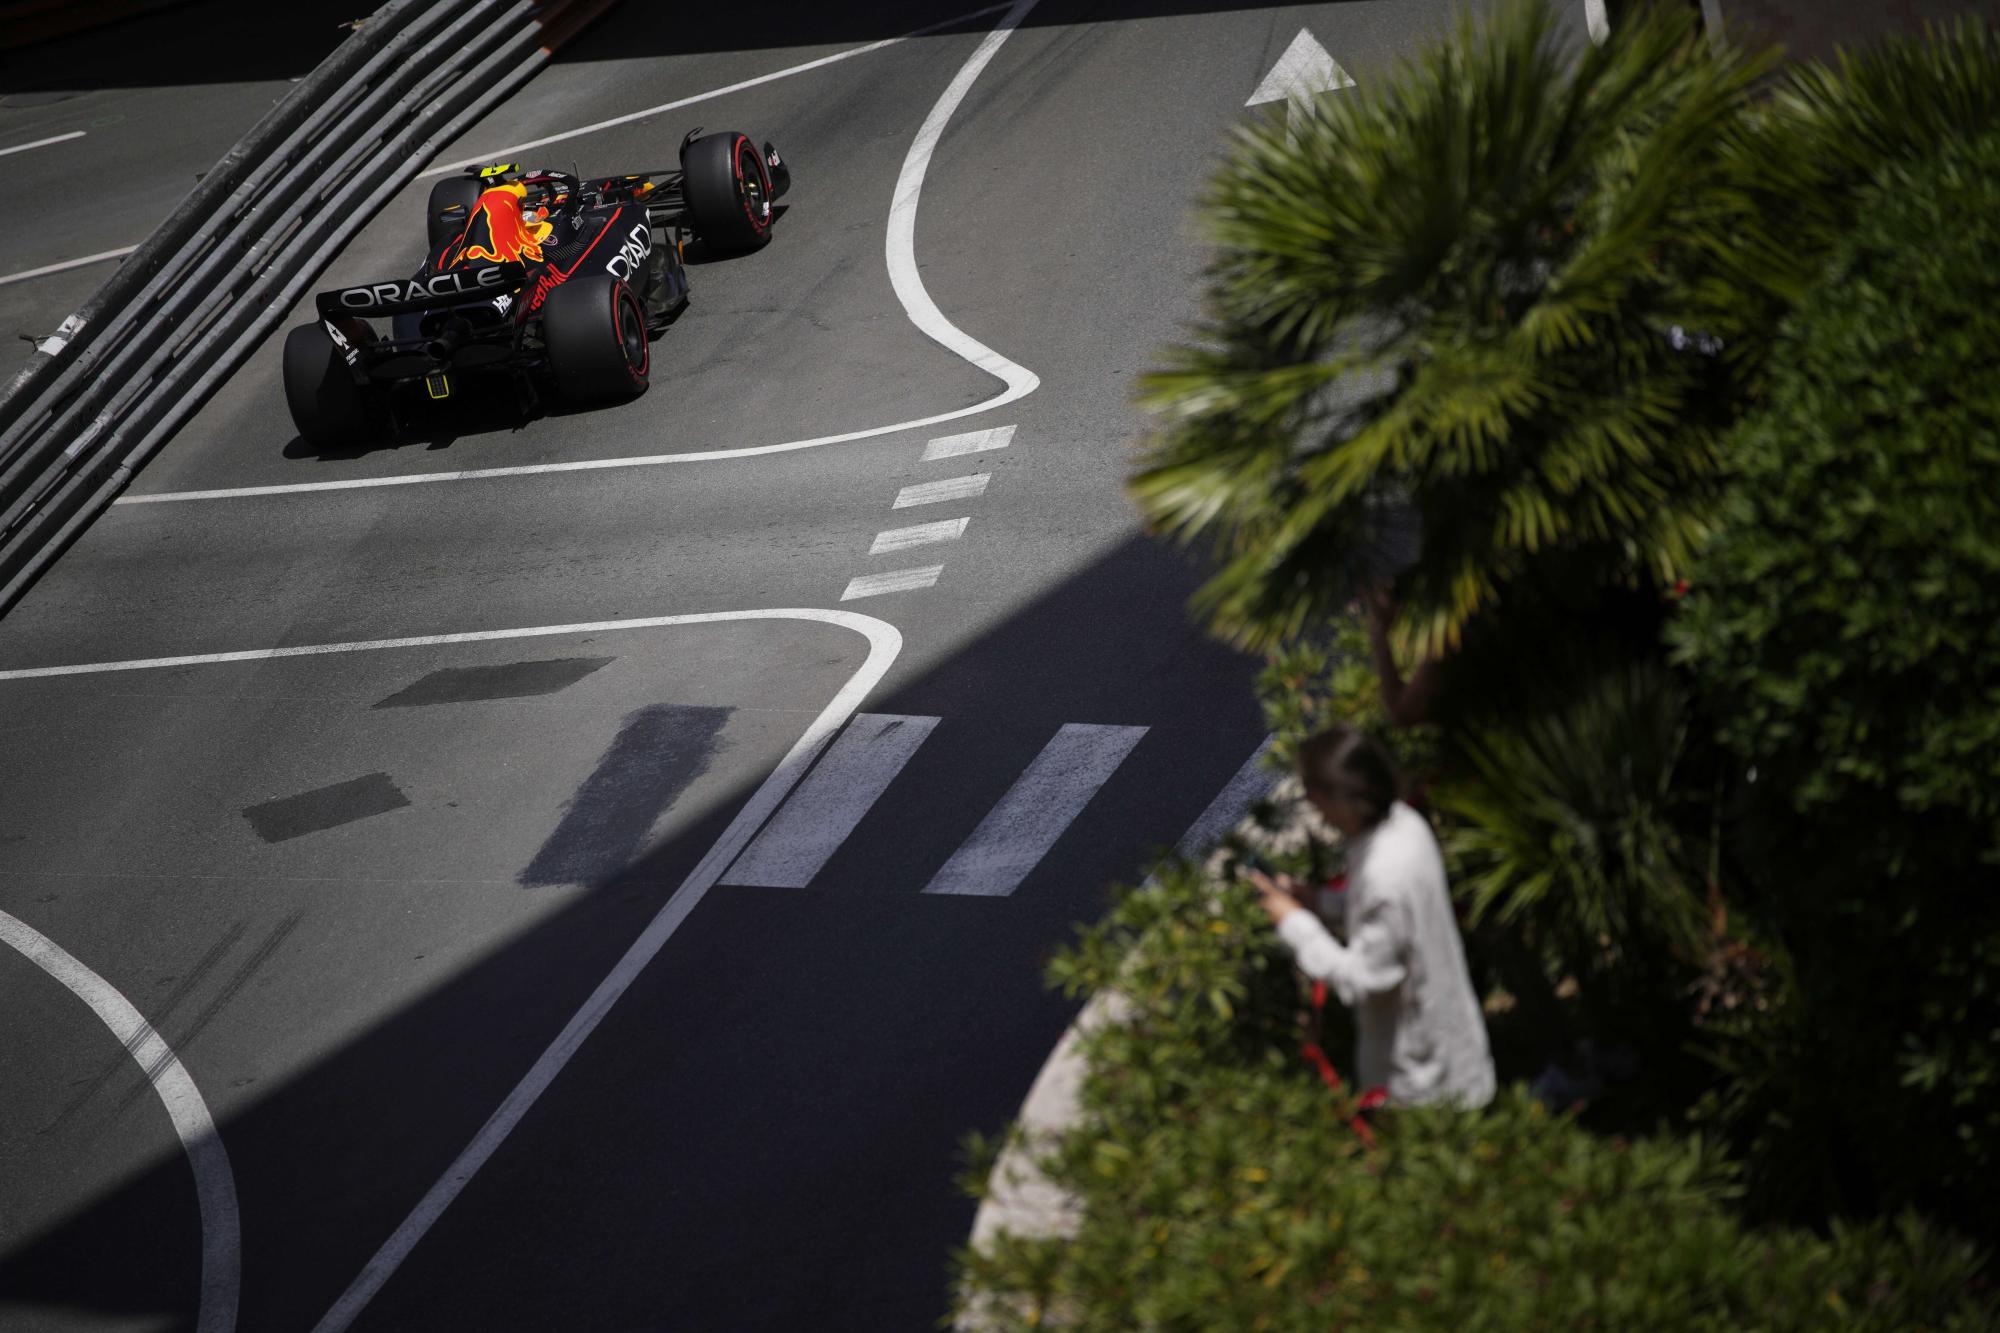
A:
[922,534]
[826,806]
[1043,801]
[933,492]
[972,442]
[1252,783]
[896,580]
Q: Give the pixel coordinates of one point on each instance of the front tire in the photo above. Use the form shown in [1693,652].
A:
[728,191]
[594,331]
[328,407]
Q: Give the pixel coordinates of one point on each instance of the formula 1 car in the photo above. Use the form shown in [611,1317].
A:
[537,277]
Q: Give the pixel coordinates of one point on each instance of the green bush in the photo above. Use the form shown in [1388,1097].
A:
[1223,1189]
[1570,814]
[1307,687]
[1812,155]
[1844,615]
[1570,836]
[1843,629]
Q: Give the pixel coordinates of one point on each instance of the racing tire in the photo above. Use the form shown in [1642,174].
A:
[441,225]
[594,330]
[728,191]
[328,407]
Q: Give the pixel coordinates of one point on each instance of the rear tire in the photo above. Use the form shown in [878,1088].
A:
[728,191]
[442,224]
[328,407]
[595,332]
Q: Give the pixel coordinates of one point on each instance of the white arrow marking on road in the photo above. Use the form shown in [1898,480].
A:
[1302,73]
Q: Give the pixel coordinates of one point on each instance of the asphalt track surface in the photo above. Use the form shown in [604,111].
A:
[138,110]
[360,894]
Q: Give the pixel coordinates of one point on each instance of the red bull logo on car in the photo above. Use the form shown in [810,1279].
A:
[500,229]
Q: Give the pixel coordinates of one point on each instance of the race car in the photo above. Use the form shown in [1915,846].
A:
[554,283]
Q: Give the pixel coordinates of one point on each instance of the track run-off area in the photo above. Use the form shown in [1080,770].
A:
[591,870]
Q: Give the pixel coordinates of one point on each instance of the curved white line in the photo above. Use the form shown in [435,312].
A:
[503,154]
[214,1186]
[900,251]
[884,643]
[901,247]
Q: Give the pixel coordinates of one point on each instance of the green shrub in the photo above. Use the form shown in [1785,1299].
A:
[1844,616]
[1223,1189]
[1568,834]
[1814,153]
[1843,629]
[1307,687]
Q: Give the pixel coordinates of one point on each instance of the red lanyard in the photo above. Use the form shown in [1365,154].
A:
[1316,1057]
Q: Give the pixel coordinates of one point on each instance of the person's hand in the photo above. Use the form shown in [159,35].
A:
[1278,897]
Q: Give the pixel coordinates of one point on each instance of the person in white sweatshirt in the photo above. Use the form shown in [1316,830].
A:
[1419,1032]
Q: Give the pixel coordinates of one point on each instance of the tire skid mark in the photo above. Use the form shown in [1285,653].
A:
[185,987]
[251,966]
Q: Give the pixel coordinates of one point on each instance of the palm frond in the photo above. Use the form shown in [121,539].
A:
[1449,292]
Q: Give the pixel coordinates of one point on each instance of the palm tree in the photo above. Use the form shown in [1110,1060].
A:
[1490,294]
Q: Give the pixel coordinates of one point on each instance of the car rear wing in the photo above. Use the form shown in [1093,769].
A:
[457,286]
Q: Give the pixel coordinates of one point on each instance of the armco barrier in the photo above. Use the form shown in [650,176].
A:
[102,395]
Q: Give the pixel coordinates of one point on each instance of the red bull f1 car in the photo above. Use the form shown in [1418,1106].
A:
[555,283]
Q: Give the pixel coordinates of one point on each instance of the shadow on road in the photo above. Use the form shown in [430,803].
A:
[764,1132]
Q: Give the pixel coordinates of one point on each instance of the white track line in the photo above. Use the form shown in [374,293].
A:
[841,789]
[922,534]
[972,442]
[901,254]
[505,154]
[214,1185]
[936,492]
[425,641]
[900,249]
[78,134]
[197,1132]
[1047,797]
[47,269]
[896,580]
[1252,783]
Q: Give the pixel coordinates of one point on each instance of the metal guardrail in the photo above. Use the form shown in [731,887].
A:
[122,374]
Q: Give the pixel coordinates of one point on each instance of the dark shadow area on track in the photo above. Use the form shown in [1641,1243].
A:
[481,406]
[764,1132]
[243,41]
[201,41]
